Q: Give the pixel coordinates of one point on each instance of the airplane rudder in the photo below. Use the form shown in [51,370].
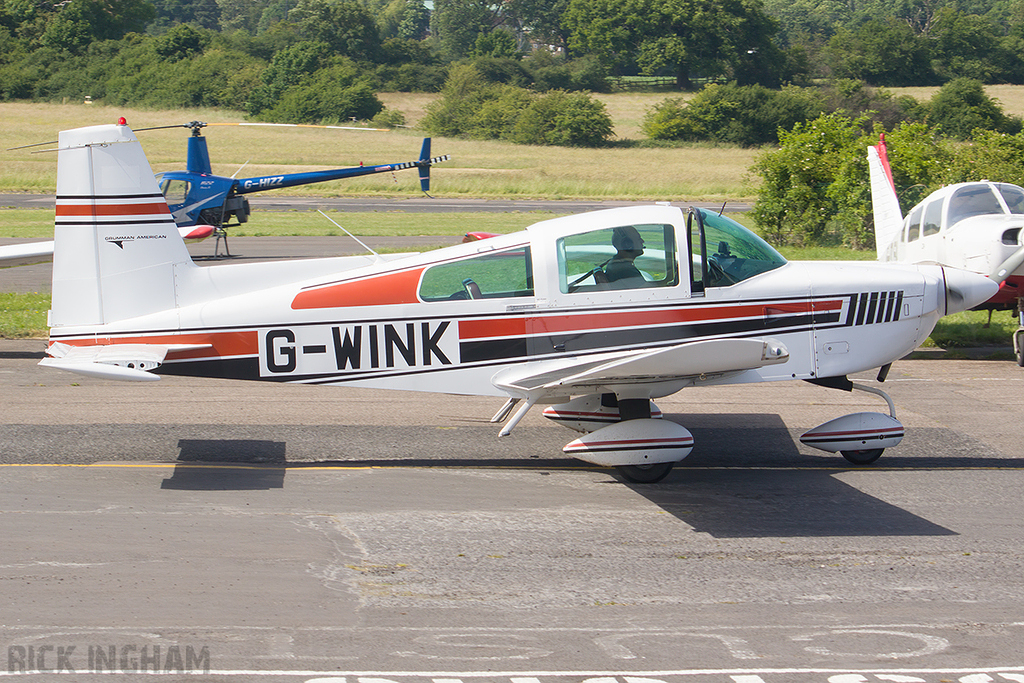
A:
[115,242]
[885,205]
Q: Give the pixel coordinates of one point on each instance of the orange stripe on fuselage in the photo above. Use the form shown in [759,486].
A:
[111,209]
[380,290]
[513,327]
[224,344]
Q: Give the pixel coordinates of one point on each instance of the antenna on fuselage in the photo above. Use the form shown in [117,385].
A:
[364,244]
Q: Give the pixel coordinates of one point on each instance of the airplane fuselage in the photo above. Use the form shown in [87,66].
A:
[411,324]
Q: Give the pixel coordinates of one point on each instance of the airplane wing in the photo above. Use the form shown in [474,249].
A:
[132,362]
[35,252]
[534,381]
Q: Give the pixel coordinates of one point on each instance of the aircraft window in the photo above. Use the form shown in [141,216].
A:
[972,200]
[626,257]
[1013,196]
[913,225]
[488,276]
[932,218]
[175,191]
[734,252]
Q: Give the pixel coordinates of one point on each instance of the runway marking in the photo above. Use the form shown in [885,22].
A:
[837,675]
[300,467]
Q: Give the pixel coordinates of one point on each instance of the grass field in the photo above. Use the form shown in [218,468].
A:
[38,223]
[478,168]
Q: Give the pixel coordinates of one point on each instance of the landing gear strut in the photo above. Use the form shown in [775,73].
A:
[1018,336]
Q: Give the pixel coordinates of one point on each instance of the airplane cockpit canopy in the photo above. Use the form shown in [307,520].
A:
[734,253]
[945,208]
[978,199]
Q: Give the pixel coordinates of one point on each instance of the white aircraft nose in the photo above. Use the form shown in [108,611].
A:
[965,289]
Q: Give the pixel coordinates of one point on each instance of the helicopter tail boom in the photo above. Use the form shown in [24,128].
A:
[272,182]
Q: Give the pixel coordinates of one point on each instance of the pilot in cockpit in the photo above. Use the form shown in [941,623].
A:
[628,246]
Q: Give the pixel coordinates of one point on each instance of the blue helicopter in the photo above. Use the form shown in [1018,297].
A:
[198,197]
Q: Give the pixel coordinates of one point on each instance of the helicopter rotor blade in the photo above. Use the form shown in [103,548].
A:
[301,125]
[34,144]
[194,125]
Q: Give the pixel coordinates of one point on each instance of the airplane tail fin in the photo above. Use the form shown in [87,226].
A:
[117,250]
[885,205]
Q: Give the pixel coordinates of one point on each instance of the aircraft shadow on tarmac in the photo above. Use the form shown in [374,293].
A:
[255,465]
[740,483]
[731,503]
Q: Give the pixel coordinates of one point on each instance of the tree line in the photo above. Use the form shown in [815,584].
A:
[800,75]
[244,53]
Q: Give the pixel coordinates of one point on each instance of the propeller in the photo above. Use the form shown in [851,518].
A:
[1003,270]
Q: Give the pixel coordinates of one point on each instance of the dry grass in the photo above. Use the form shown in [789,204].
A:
[478,168]
[1011,97]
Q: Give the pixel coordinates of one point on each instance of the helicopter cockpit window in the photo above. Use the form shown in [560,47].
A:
[734,253]
[492,275]
[1013,196]
[625,257]
[972,200]
[913,225]
[174,191]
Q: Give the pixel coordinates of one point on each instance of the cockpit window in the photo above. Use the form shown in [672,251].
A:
[175,191]
[625,257]
[1013,196]
[932,217]
[972,200]
[492,275]
[735,253]
[914,225]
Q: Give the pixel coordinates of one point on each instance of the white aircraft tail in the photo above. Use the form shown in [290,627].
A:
[117,250]
[884,203]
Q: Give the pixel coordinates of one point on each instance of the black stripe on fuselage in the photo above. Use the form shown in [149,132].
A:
[585,340]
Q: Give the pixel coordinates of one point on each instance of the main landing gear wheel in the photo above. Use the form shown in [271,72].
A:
[865,457]
[645,474]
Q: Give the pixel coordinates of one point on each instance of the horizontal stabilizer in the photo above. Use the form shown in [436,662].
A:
[36,252]
[128,362]
[30,252]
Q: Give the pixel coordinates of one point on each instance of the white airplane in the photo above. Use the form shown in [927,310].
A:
[593,315]
[975,226]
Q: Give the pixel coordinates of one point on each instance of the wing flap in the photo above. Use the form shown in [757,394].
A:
[682,361]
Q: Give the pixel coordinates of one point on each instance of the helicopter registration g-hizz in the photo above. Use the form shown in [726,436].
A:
[593,315]
[198,197]
[977,226]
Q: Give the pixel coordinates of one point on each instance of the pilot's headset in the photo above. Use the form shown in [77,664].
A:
[627,238]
